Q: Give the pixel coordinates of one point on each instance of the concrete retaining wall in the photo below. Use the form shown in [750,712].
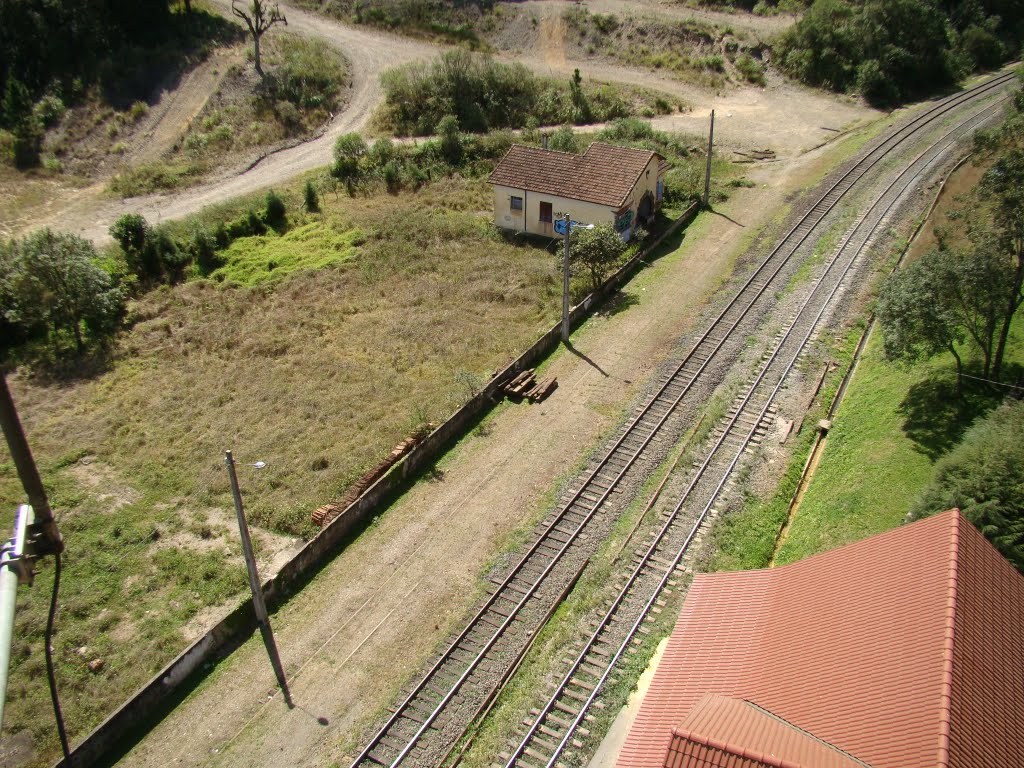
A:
[111,734]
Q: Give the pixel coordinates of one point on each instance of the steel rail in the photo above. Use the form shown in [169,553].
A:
[853,175]
[937,149]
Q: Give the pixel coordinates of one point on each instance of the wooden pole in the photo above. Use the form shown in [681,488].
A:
[255,587]
[565,284]
[707,173]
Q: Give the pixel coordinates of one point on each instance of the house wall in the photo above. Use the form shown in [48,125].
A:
[528,219]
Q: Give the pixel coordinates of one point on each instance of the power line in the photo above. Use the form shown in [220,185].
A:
[990,381]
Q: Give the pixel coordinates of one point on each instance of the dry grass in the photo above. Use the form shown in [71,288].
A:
[318,375]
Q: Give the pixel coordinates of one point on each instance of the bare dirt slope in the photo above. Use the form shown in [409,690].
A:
[352,636]
[788,118]
[178,107]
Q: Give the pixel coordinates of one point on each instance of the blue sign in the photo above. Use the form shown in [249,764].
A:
[559,225]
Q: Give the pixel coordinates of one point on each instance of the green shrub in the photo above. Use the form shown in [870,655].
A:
[310,198]
[203,247]
[751,69]
[274,211]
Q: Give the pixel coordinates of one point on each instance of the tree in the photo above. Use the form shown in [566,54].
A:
[349,151]
[1003,185]
[259,17]
[57,287]
[451,139]
[984,478]
[132,232]
[915,323]
[595,250]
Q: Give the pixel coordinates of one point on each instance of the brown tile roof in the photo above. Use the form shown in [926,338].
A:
[604,174]
[904,650]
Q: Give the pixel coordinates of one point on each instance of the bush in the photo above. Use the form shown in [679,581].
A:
[564,140]
[274,211]
[984,477]
[203,247]
[310,198]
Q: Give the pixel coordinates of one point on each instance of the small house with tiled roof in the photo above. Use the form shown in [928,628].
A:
[904,650]
[605,185]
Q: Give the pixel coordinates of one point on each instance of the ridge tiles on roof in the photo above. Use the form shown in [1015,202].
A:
[879,647]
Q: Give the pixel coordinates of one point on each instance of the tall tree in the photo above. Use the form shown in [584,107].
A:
[56,287]
[259,16]
[1003,184]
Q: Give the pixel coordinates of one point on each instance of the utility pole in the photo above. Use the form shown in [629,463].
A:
[260,607]
[565,283]
[707,172]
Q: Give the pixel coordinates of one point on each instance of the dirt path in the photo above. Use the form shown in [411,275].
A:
[174,112]
[785,117]
[350,639]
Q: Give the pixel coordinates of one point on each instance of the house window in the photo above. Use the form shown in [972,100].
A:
[517,203]
[545,212]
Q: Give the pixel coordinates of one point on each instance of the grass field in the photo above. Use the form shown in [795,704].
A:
[315,349]
[318,372]
[892,426]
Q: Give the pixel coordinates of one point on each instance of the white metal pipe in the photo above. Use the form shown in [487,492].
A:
[9,578]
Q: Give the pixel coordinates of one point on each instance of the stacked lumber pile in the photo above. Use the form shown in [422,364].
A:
[525,386]
[323,515]
[756,155]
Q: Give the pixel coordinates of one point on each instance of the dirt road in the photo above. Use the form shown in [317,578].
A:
[788,118]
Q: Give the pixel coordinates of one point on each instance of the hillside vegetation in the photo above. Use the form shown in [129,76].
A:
[892,51]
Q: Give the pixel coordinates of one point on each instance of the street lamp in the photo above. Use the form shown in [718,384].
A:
[564,226]
[259,606]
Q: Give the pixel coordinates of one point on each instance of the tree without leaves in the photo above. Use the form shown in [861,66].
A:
[259,17]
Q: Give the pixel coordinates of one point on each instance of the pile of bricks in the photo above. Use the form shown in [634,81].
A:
[323,515]
[525,386]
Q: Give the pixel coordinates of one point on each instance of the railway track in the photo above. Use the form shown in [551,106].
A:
[651,574]
[435,712]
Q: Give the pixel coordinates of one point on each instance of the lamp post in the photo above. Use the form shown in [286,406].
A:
[565,284]
[259,606]
[569,226]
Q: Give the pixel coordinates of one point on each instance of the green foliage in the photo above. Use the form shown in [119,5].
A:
[349,150]
[274,210]
[894,50]
[435,19]
[451,140]
[310,198]
[483,94]
[984,477]
[52,286]
[564,140]
[751,69]
[596,251]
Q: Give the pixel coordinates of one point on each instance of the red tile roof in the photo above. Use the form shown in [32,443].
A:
[604,174]
[713,735]
[904,650]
